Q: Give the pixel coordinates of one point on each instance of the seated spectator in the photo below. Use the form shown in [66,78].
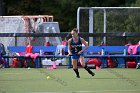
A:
[29,52]
[47,44]
[2,52]
[29,48]
[132,49]
[60,50]
[30,56]
[64,42]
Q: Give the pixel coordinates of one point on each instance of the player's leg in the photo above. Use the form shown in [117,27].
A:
[75,68]
[81,59]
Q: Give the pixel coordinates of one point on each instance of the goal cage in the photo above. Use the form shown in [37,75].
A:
[109,20]
[28,24]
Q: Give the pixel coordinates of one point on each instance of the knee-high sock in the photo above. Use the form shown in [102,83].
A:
[89,71]
[76,72]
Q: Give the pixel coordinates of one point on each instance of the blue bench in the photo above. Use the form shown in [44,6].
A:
[107,49]
[36,49]
[91,52]
[110,50]
[116,52]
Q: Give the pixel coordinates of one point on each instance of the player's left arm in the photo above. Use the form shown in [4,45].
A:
[85,44]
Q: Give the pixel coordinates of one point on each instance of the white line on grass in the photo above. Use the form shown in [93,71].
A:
[108,91]
[48,92]
[10,73]
[96,91]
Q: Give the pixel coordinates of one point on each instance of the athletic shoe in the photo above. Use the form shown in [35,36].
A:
[77,76]
[93,74]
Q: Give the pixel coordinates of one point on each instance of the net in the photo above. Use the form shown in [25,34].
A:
[109,20]
[10,25]
[22,24]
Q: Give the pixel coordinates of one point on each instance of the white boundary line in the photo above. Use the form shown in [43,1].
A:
[107,91]
[96,91]
[10,73]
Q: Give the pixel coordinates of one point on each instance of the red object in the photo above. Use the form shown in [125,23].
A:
[95,61]
[110,63]
[48,43]
[131,64]
[1,60]
[29,49]
[15,62]
[64,42]
[133,49]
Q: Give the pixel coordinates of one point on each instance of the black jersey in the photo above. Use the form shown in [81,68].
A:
[76,47]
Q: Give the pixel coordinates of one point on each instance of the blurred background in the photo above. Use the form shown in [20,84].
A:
[65,12]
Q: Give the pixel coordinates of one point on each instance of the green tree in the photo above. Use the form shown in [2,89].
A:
[64,11]
[23,7]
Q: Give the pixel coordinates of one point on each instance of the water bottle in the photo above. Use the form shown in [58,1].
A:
[8,52]
[60,51]
[124,51]
[102,51]
[41,52]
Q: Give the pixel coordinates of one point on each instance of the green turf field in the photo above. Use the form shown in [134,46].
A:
[22,80]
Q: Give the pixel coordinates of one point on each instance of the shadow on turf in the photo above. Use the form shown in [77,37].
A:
[99,78]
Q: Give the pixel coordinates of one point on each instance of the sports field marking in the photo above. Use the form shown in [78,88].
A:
[96,91]
[10,73]
[48,92]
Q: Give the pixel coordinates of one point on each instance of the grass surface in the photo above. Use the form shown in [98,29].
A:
[22,80]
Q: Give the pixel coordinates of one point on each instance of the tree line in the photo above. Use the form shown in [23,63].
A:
[64,11]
